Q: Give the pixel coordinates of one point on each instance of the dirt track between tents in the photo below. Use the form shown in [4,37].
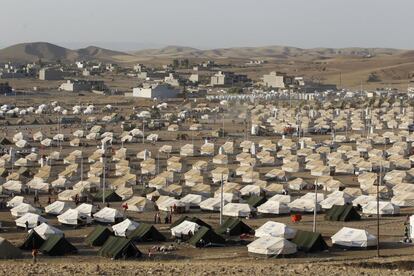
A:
[382,266]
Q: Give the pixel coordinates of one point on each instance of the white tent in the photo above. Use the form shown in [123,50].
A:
[403,200]
[32,220]
[385,208]
[304,205]
[192,200]
[273,207]
[22,209]
[13,186]
[169,202]
[15,201]
[351,237]
[271,246]
[281,198]
[86,209]
[74,217]
[57,207]
[107,215]
[44,230]
[184,228]
[125,227]
[275,229]
[362,200]
[212,204]
[250,190]
[337,199]
[237,210]
[139,204]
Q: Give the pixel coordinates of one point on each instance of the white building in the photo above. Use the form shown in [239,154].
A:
[160,91]
[172,80]
[274,80]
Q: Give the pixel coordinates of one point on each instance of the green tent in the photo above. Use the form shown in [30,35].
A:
[98,236]
[206,237]
[234,227]
[192,219]
[32,241]
[255,200]
[8,250]
[5,141]
[309,241]
[119,248]
[57,245]
[146,233]
[342,213]
[110,196]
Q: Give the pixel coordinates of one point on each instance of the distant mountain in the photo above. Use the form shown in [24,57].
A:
[29,52]
[278,52]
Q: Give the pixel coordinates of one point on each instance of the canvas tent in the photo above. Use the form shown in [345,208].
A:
[108,215]
[192,219]
[98,236]
[351,237]
[237,210]
[342,213]
[273,207]
[275,229]
[32,220]
[45,230]
[146,233]
[74,217]
[9,251]
[185,228]
[32,241]
[57,245]
[123,228]
[206,237]
[271,246]
[119,248]
[309,241]
[22,209]
[234,227]
[57,207]
[385,208]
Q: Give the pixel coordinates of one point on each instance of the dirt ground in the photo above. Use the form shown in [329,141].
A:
[229,260]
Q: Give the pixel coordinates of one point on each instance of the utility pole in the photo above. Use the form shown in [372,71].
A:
[378,216]
[316,205]
[158,162]
[143,131]
[103,173]
[221,200]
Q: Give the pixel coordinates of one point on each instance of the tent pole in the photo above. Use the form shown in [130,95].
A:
[316,204]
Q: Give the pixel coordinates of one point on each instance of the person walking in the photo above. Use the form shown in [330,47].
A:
[34,255]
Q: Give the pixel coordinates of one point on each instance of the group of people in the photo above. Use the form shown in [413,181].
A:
[167,218]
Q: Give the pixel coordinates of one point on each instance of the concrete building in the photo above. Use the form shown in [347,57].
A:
[82,85]
[194,78]
[159,91]
[50,74]
[228,79]
[172,80]
[274,80]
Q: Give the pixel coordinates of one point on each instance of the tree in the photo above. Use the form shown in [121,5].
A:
[235,90]
[176,63]
[373,77]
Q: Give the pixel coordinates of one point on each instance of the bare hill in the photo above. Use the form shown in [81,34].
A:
[277,52]
[28,52]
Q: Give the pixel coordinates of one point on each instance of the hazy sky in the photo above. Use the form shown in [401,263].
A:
[209,23]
